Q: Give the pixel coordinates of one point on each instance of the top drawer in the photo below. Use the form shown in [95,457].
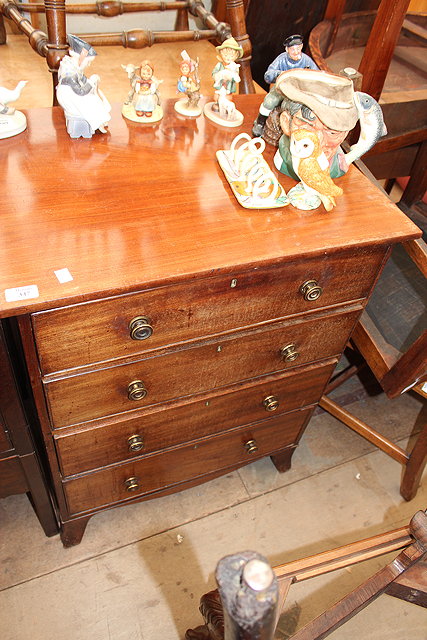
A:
[92,332]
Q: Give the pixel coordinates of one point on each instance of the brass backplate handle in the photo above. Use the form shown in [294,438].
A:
[132,483]
[251,446]
[135,443]
[136,390]
[140,328]
[311,290]
[271,403]
[289,353]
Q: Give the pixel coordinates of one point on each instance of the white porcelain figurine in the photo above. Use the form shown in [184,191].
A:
[12,121]
[85,106]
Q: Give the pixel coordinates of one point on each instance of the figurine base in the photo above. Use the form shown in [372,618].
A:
[12,124]
[128,111]
[301,199]
[181,107]
[235,119]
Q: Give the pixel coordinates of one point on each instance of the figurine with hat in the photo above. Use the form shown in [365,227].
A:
[226,78]
[85,106]
[292,58]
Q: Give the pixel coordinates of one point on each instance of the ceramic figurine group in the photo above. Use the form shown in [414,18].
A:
[314,111]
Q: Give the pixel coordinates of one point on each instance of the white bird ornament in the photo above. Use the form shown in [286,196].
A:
[12,121]
[10,95]
[312,167]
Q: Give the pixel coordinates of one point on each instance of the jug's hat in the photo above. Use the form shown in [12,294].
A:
[330,97]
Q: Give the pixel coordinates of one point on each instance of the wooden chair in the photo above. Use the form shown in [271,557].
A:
[53,45]
[251,595]
[403,151]
[391,336]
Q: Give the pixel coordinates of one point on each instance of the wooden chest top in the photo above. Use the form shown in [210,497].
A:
[147,205]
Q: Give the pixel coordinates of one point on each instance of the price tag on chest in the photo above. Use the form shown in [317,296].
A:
[21,293]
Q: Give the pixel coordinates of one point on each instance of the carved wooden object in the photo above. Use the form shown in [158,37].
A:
[399,578]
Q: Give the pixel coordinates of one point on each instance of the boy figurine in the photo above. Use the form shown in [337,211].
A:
[226,77]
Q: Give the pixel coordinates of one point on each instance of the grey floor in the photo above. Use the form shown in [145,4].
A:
[140,569]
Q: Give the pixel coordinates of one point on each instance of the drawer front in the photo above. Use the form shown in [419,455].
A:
[156,429]
[194,370]
[93,332]
[170,468]
[12,477]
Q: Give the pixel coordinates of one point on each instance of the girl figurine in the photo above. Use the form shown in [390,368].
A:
[226,77]
[189,84]
[143,102]
[85,106]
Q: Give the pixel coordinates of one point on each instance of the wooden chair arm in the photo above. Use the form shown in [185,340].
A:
[417,251]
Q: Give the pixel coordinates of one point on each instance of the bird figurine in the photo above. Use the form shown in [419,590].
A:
[372,126]
[12,121]
[312,167]
[10,95]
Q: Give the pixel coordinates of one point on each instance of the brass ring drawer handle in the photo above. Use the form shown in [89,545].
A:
[136,390]
[135,443]
[311,290]
[271,403]
[132,484]
[289,353]
[251,446]
[140,328]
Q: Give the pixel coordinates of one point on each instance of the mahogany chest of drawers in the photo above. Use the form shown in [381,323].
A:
[189,336]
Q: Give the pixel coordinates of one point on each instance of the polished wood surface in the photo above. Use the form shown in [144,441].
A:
[78,202]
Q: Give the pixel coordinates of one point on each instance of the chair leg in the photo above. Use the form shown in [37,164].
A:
[415,466]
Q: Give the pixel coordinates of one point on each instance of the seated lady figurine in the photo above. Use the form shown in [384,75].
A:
[85,106]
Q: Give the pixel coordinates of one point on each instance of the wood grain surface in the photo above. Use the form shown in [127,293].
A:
[145,205]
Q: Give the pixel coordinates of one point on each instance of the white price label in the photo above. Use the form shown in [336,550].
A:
[21,293]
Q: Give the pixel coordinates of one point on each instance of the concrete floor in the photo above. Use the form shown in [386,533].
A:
[140,569]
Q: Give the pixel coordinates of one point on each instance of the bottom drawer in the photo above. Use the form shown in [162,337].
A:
[158,471]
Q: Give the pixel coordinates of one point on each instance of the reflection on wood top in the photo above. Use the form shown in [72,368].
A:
[147,204]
